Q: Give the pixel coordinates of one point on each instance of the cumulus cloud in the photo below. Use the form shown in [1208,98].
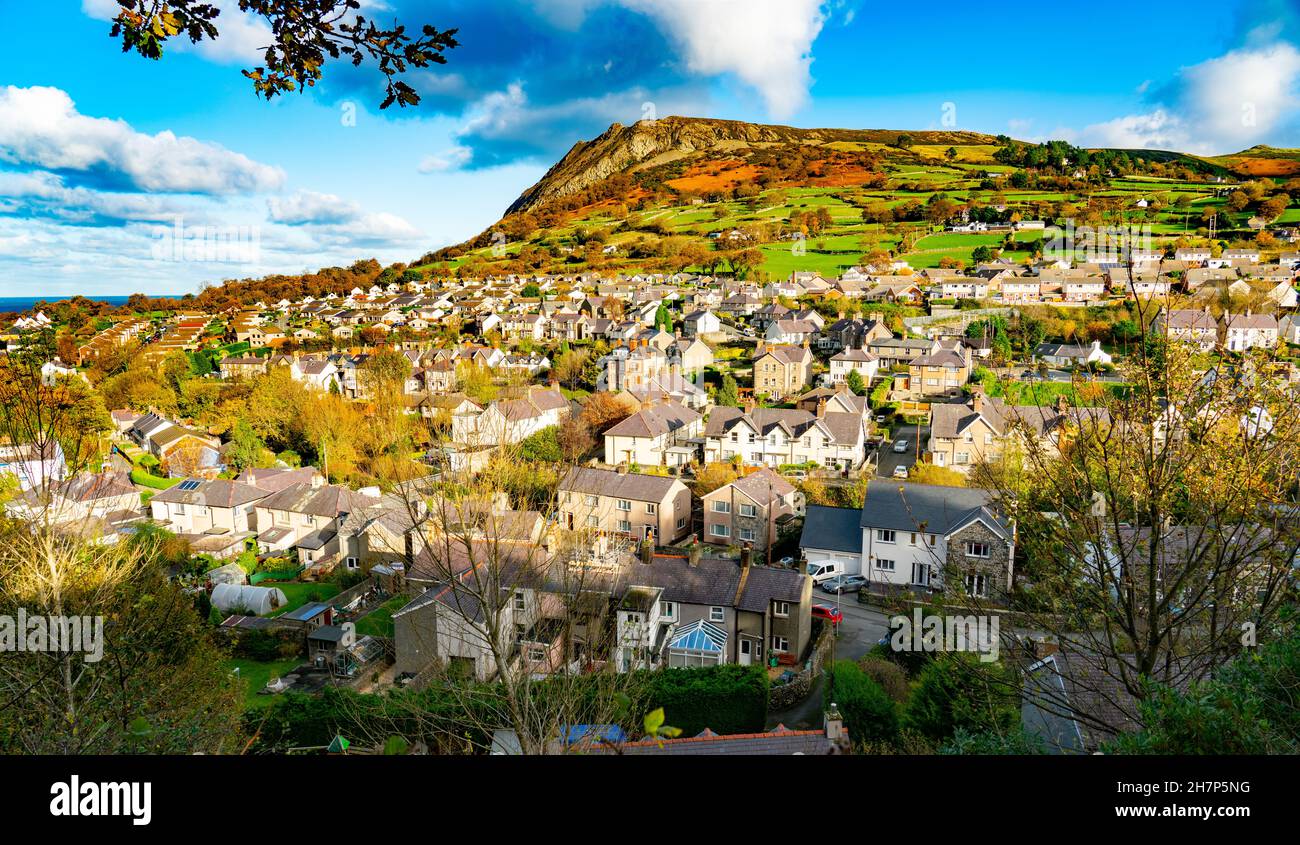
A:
[304,207]
[1242,98]
[452,158]
[41,127]
[767,44]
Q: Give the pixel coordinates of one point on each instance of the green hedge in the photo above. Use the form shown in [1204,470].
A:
[144,479]
[727,699]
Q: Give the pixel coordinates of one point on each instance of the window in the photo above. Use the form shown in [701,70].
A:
[912,541]
[921,574]
[748,510]
[592,522]
[974,549]
[780,644]
[717,614]
[651,507]
[624,526]
[624,505]
[747,534]
[976,586]
[884,565]
[590,501]
[180,509]
[884,535]
[352,563]
[720,530]
[667,610]
[536,654]
[781,608]
[520,602]
[720,506]
[681,522]
[963,457]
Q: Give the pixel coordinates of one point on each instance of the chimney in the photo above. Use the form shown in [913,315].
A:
[834,723]
[746,556]
[977,401]
[821,407]
[694,555]
[647,551]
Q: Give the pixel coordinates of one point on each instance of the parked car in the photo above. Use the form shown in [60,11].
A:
[786,561]
[830,614]
[821,570]
[880,420]
[900,472]
[900,446]
[844,584]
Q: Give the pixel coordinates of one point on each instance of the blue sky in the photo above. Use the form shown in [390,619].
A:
[103,151]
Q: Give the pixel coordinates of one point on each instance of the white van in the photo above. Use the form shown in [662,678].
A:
[823,570]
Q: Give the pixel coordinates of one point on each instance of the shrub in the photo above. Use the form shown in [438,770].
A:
[956,691]
[892,679]
[869,713]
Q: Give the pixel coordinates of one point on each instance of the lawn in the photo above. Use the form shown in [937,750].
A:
[257,675]
[298,594]
[379,622]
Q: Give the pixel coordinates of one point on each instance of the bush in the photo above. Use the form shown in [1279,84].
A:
[726,699]
[955,692]
[892,679]
[869,713]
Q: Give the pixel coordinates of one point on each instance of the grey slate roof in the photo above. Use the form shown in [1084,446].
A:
[627,485]
[834,529]
[903,506]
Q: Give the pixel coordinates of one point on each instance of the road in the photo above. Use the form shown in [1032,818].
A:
[861,629]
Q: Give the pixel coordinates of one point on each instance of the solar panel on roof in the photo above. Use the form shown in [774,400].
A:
[189,485]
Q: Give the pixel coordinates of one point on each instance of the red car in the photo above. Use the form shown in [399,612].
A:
[831,614]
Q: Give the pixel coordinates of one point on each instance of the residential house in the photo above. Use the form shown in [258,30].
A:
[750,511]
[1249,331]
[919,538]
[666,434]
[781,371]
[1189,325]
[508,421]
[625,503]
[776,436]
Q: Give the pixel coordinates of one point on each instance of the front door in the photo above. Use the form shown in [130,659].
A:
[746,652]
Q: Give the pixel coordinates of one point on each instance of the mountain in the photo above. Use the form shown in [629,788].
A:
[651,143]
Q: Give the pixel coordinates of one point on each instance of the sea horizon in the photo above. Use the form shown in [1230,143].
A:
[23,304]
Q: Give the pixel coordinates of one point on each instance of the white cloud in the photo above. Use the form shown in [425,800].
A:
[452,158]
[41,127]
[766,44]
[1240,99]
[311,207]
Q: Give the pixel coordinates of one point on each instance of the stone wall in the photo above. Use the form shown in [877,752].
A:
[801,686]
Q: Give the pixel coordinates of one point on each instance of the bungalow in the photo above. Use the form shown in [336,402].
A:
[1070,355]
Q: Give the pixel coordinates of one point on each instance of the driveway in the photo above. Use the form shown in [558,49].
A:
[861,629]
[890,459]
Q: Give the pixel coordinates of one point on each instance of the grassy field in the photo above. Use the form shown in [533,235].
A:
[256,675]
[379,622]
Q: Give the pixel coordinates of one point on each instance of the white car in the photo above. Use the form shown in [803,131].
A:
[900,472]
[900,446]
